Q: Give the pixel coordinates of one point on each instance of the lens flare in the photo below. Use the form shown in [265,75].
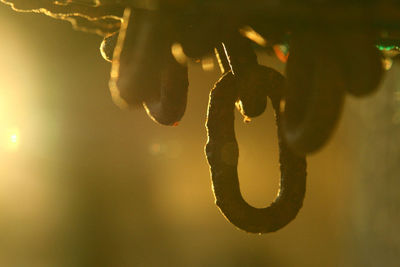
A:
[13,139]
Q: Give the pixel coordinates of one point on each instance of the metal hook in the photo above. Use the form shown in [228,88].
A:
[171,106]
[145,72]
[320,69]
[314,93]
[222,153]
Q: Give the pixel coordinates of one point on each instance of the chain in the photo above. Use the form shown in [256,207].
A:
[332,53]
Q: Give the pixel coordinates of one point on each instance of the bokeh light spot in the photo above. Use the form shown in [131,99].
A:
[11,139]
[14,138]
[155,149]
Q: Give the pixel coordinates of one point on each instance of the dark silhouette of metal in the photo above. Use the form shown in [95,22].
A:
[335,47]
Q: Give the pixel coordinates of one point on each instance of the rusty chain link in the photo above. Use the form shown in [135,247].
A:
[335,55]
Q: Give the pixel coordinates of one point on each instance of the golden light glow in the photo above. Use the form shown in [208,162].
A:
[251,34]
[387,63]
[207,64]
[155,149]
[179,55]
[11,139]
[115,93]
[282,105]
[14,138]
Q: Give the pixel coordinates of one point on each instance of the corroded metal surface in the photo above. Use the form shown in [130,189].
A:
[222,153]
[331,47]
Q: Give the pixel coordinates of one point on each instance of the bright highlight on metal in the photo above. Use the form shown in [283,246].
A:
[251,34]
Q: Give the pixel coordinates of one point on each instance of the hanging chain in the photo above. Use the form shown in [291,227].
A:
[339,53]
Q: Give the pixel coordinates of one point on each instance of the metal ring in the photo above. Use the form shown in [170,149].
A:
[222,153]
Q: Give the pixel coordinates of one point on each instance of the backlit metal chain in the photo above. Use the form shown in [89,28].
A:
[331,53]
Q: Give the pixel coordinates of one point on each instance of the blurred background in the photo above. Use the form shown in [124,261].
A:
[83,183]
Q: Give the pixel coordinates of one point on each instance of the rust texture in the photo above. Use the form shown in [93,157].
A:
[222,153]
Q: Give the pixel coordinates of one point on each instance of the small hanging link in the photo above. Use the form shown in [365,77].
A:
[222,153]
